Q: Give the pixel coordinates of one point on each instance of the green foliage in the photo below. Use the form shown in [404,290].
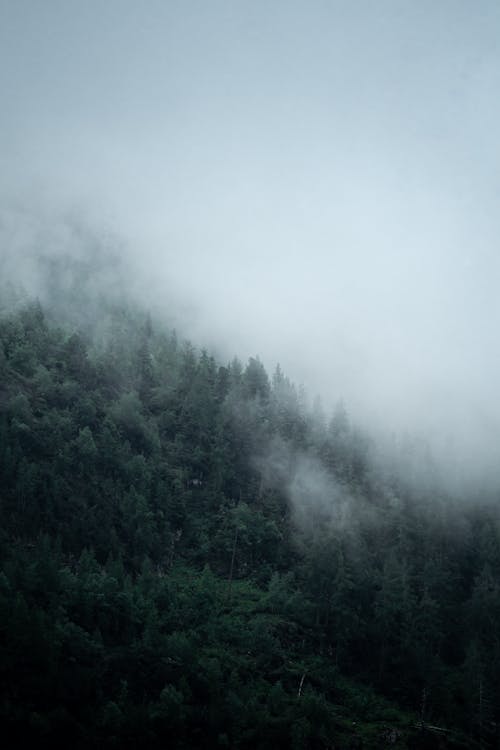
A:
[157,589]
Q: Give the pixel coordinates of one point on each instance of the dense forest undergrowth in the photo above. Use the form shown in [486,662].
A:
[192,557]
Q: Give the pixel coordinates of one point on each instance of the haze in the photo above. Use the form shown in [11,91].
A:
[315,182]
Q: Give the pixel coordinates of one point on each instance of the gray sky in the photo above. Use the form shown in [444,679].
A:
[320,181]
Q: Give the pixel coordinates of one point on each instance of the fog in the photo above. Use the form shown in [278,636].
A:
[318,500]
[314,182]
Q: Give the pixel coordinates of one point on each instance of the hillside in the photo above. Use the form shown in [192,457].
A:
[193,556]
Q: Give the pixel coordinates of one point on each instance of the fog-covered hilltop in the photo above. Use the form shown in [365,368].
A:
[319,180]
[196,550]
[192,554]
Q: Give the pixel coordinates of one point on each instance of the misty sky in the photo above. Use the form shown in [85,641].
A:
[319,181]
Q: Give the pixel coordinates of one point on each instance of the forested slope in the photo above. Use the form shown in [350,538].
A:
[192,557]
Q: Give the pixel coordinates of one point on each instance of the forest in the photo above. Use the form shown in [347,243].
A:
[193,555]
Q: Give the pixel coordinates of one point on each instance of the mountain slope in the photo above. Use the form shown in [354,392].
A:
[191,555]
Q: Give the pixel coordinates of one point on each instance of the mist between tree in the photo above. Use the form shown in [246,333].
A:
[200,531]
[81,269]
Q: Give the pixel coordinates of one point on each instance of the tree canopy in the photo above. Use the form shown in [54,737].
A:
[193,557]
